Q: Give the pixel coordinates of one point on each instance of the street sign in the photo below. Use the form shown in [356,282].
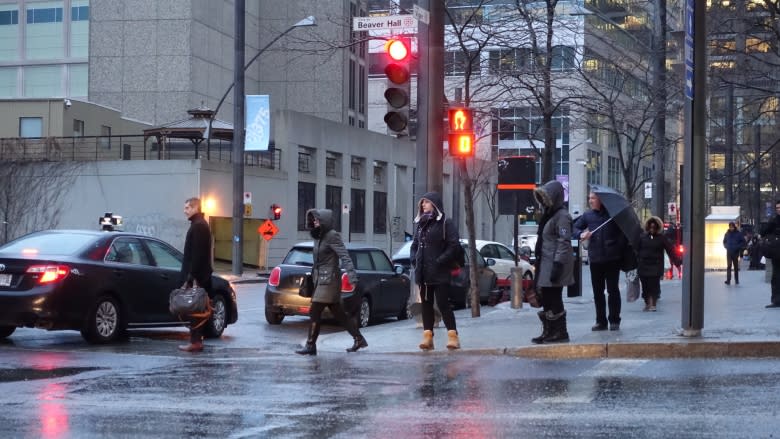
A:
[267,230]
[672,209]
[345,208]
[388,22]
[247,210]
[688,51]
[247,197]
[648,189]
[421,14]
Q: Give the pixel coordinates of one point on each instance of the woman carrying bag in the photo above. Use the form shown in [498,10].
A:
[650,255]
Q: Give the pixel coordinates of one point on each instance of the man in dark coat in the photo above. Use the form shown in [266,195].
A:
[329,256]
[773,228]
[196,267]
[606,245]
[432,255]
[734,243]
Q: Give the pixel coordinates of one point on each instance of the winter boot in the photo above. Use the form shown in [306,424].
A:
[360,342]
[427,342]
[648,303]
[558,331]
[653,301]
[311,343]
[452,340]
[545,328]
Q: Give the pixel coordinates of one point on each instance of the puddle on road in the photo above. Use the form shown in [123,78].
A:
[26,374]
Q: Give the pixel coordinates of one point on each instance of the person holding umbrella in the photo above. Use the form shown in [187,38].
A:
[606,246]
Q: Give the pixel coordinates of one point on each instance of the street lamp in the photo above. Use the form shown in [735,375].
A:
[239,70]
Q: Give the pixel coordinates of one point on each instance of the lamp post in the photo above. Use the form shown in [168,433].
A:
[239,69]
[658,93]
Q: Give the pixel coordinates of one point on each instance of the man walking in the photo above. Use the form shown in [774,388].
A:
[196,268]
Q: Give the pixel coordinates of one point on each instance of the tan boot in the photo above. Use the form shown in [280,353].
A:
[452,340]
[427,342]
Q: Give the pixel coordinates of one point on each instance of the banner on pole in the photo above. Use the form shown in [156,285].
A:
[258,123]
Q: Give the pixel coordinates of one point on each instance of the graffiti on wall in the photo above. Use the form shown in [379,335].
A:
[159,226]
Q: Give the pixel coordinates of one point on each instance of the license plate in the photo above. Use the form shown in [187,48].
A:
[5,280]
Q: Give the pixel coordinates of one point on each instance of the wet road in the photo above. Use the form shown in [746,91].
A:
[53,385]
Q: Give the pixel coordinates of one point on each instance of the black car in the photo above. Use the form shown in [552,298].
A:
[461,279]
[382,289]
[100,283]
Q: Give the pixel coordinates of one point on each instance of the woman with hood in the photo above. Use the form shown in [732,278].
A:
[554,261]
[328,252]
[650,256]
[432,254]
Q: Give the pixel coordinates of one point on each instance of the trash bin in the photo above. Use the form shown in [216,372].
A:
[575,289]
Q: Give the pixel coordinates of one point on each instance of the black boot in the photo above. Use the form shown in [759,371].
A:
[558,332]
[360,342]
[545,328]
[311,343]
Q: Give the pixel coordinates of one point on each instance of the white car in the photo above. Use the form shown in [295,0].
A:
[505,261]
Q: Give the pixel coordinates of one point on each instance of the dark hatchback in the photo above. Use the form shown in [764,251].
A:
[99,283]
[461,279]
[382,289]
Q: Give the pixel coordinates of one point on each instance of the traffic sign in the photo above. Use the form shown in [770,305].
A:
[247,210]
[362,24]
[268,230]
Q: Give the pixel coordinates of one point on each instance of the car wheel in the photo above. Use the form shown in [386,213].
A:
[217,322]
[273,318]
[405,313]
[6,331]
[364,313]
[104,323]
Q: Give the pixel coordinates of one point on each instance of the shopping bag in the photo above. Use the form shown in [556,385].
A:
[632,286]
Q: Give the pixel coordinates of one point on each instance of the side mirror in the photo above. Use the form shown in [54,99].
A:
[398,269]
[490,262]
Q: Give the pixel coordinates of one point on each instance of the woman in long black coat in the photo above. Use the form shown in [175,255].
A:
[650,256]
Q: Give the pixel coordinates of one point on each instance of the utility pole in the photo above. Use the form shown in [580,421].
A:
[238,139]
[659,99]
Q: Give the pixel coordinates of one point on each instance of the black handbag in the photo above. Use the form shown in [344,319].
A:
[307,286]
[629,261]
[188,301]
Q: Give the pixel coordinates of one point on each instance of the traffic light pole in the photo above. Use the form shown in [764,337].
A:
[430,100]
[238,140]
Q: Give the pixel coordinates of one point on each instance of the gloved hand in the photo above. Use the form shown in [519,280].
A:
[557,272]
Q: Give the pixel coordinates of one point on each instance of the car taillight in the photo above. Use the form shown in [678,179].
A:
[680,249]
[346,285]
[273,279]
[49,273]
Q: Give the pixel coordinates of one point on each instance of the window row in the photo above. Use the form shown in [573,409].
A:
[42,35]
[44,81]
[307,194]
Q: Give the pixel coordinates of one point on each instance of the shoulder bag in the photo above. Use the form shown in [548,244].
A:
[307,286]
[188,301]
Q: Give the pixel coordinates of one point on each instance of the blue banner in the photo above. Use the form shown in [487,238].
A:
[258,123]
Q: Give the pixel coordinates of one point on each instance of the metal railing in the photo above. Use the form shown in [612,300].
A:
[105,148]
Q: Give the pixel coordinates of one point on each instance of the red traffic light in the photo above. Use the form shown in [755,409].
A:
[276,210]
[461,132]
[396,50]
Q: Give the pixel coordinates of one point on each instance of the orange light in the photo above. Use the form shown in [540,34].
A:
[397,50]
[461,135]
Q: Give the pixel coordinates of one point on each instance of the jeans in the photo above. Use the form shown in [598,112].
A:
[606,274]
[732,259]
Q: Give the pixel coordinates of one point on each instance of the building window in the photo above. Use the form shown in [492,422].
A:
[456,62]
[613,173]
[78,128]
[562,58]
[363,87]
[30,127]
[79,28]
[8,82]
[380,212]
[594,167]
[357,169]
[9,32]
[357,211]
[379,174]
[304,162]
[330,166]
[333,202]
[43,82]
[306,200]
[105,139]
[352,84]
[77,80]
[43,32]
[509,60]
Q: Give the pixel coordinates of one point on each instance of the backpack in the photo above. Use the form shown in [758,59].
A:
[459,260]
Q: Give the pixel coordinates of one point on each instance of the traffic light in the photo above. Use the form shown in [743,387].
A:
[276,211]
[461,132]
[398,90]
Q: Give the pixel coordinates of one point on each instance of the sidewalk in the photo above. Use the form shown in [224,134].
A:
[736,324]
[248,275]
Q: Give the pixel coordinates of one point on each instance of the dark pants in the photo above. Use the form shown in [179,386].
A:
[199,322]
[440,293]
[776,281]
[651,286]
[606,274]
[732,259]
[552,299]
[315,315]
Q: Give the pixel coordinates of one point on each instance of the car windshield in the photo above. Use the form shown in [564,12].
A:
[49,244]
[299,256]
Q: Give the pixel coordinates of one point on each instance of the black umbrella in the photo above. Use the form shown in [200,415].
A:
[621,212]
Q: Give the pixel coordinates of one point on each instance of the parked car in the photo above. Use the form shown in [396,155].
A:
[527,243]
[382,289]
[100,283]
[459,296]
[505,261]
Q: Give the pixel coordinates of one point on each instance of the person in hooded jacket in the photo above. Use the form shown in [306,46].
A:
[650,257]
[329,254]
[554,261]
[606,244]
[734,242]
[432,254]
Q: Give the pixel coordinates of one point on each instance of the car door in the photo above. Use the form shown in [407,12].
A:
[394,287]
[485,277]
[132,277]
[166,268]
[368,280]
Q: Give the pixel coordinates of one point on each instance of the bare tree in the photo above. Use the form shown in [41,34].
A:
[32,194]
